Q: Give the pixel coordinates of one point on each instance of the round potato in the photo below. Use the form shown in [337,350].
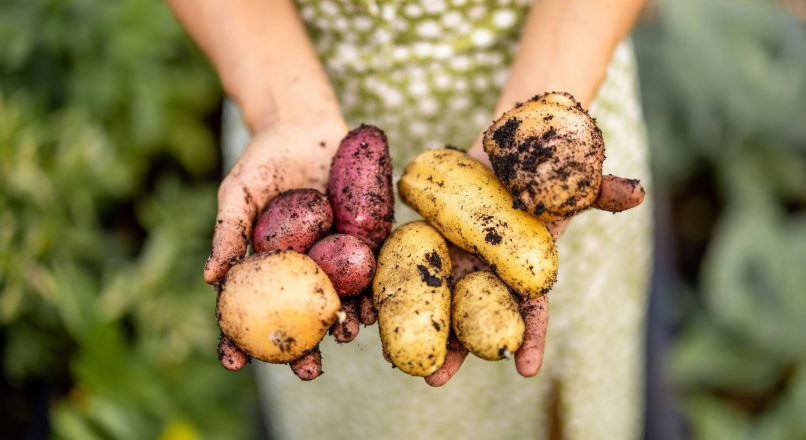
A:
[413,299]
[348,262]
[293,220]
[548,152]
[276,306]
[485,317]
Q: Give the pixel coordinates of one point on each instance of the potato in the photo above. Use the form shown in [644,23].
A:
[548,153]
[485,317]
[348,262]
[360,186]
[411,294]
[463,199]
[293,220]
[276,306]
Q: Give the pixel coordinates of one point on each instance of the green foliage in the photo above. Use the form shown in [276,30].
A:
[724,87]
[106,205]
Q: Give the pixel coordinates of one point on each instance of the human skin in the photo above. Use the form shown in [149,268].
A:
[268,66]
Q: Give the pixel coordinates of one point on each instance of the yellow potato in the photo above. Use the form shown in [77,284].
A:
[485,317]
[277,306]
[464,201]
[548,153]
[411,293]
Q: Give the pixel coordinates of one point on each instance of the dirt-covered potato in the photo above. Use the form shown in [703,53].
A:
[293,220]
[413,299]
[360,186]
[548,153]
[276,306]
[464,200]
[485,317]
[348,262]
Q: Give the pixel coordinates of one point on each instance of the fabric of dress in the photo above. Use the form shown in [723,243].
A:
[429,73]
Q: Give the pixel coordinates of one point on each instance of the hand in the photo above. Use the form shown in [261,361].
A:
[283,156]
[617,194]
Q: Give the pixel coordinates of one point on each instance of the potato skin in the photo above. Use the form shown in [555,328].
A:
[360,186]
[464,201]
[411,294]
[293,220]
[548,152]
[485,317]
[348,262]
[276,306]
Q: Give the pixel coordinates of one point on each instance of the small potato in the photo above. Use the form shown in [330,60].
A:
[485,317]
[464,201]
[348,262]
[293,220]
[412,297]
[276,306]
[360,186]
[548,153]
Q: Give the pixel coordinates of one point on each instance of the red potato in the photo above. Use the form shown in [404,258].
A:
[360,186]
[294,220]
[347,261]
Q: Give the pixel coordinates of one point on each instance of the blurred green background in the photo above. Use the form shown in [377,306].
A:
[109,124]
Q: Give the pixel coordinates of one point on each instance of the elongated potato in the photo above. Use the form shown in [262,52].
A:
[411,294]
[464,200]
[485,317]
[276,306]
[360,186]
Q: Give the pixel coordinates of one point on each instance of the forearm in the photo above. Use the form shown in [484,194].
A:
[263,56]
[566,45]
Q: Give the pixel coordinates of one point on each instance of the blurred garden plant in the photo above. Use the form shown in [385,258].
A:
[108,190]
[725,92]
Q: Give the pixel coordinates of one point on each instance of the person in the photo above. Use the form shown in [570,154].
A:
[432,73]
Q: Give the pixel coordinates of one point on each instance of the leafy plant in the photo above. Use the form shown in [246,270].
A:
[724,86]
[109,170]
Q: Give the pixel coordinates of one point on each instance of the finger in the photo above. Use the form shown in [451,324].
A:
[557,227]
[346,329]
[366,309]
[232,358]
[529,356]
[309,366]
[463,262]
[236,210]
[619,194]
[453,360]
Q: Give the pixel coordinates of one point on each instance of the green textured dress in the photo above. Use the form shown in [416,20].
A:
[429,74]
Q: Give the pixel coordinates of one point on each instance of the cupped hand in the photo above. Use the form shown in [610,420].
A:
[285,155]
[617,194]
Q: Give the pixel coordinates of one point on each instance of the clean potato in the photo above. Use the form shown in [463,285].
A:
[548,153]
[464,200]
[413,299]
[276,306]
[485,317]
